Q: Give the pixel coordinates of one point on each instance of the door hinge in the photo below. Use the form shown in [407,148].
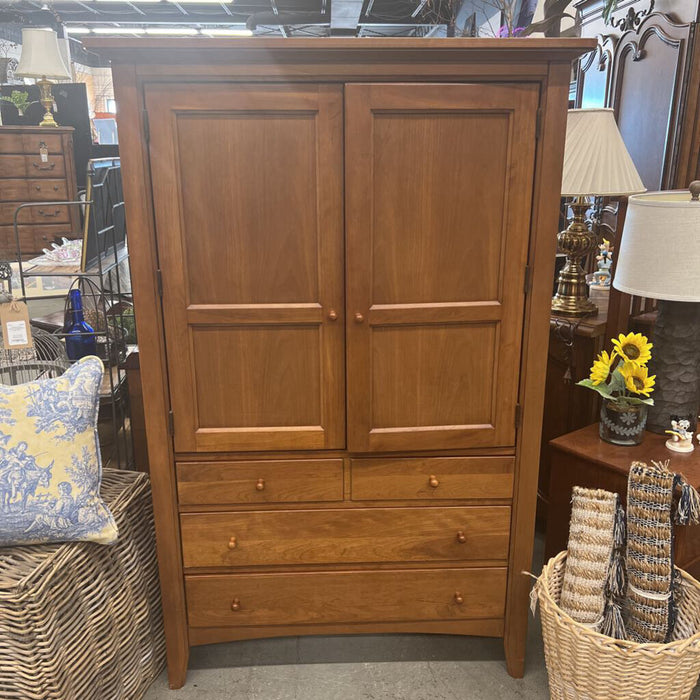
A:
[538,124]
[518,415]
[159,282]
[146,126]
[528,280]
[171,423]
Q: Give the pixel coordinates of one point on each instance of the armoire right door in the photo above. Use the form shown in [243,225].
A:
[439,182]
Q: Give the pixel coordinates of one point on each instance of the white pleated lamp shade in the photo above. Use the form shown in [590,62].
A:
[596,161]
[41,57]
[659,256]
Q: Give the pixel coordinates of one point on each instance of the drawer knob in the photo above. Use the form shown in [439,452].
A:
[235,604]
[233,542]
[332,315]
[359,318]
[260,485]
[461,537]
[37,188]
[433,481]
[458,598]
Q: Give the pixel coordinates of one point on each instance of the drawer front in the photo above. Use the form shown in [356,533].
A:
[33,190]
[30,143]
[31,166]
[32,238]
[432,478]
[345,597]
[284,481]
[345,536]
[55,214]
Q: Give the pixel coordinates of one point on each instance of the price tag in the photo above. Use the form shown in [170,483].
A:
[43,152]
[16,331]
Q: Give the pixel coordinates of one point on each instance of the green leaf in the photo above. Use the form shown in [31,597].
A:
[603,389]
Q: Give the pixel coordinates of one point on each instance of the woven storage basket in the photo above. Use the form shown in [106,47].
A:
[585,665]
[82,621]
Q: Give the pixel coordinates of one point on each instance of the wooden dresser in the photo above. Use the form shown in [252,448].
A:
[27,177]
[342,258]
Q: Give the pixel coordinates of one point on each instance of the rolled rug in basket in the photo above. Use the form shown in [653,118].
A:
[594,576]
[650,604]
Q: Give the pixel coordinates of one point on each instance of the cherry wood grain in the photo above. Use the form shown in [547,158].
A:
[282,481]
[54,214]
[436,253]
[28,139]
[31,166]
[432,478]
[249,223]
[345,536]
[345,597]
[149,326]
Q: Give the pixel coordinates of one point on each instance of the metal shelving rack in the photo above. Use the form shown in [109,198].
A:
[105,290]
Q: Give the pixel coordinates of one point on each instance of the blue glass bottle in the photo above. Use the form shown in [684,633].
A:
[80,336]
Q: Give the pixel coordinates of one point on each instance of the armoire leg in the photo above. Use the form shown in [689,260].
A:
[515,659]
[177,667]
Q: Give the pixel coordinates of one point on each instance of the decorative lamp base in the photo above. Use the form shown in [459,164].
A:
[676,363]
[578,241]
[46,99]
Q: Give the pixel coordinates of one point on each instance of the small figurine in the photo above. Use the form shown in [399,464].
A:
[602,275]
[682,438]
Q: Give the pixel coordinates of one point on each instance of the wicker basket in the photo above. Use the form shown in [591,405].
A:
[82,621]
[585,665]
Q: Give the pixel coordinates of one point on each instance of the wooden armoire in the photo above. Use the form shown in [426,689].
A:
[342,257]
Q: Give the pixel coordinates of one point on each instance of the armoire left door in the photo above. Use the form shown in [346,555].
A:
[248,192]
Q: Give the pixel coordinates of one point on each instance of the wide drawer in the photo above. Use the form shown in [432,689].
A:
[345,597]
[282,481]
[31,143]
[33,239]
[31,166]
[345,536]
[54,214]
[432,478]
[33,190]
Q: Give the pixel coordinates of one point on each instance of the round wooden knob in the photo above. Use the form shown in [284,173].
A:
[461,537]
[235,604]
[433,481]
[332,315]
[359,318]
[37,188]
[458,598]
[233,542]
[260,485]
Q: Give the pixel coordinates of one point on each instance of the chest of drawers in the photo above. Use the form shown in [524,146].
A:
[36,165]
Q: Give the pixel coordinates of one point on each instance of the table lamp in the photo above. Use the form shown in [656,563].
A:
[41,59]
[596,163]
[659,258]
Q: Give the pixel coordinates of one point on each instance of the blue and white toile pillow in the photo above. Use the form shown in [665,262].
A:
[50,464]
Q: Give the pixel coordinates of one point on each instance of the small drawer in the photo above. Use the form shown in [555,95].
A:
[345,536]
[283,481]
[31,166]
[432,478]
[345,597]
[55,214]
[31,143]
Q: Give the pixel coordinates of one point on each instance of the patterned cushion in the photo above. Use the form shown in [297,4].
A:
[50,465]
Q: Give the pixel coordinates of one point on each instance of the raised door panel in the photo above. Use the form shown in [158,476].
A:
[438,196]
[247,187]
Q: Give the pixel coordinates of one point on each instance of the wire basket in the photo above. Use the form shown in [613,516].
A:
[45,360]
[585,665]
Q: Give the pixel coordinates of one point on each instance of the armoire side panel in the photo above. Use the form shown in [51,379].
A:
[248,207]
[438,218]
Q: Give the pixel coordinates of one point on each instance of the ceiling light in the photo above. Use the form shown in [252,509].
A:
[227,32]
[118,30]
[173,31]
[137,2]
[76,30]
[202,2]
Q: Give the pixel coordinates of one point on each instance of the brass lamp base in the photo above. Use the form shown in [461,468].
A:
[46,99]
[578,241]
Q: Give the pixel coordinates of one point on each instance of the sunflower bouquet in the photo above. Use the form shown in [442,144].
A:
[622,376]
